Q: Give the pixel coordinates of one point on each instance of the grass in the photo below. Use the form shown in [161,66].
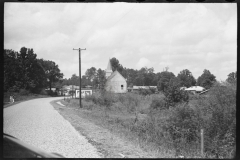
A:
[121,121]
[168,132]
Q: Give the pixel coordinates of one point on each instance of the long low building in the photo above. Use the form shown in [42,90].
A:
[195,89]
[136,88]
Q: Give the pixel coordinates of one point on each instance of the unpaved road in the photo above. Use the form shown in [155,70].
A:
[37,123]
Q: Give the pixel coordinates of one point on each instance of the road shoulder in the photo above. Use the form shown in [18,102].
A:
[108,144]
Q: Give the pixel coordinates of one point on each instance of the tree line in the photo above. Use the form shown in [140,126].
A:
[146,77]
[23,70]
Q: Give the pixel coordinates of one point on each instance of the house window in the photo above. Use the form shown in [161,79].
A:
[122,87]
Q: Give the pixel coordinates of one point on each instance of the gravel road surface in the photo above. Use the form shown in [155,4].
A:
[37,123]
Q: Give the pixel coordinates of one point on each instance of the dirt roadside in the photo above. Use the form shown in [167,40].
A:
[108,144]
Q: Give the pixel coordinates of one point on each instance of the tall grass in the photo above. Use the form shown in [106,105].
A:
[171,130]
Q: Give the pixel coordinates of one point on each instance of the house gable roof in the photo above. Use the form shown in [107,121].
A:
[115,73]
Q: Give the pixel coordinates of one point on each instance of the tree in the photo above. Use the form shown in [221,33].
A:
[32,74]
[75,80]
[11,68]
[22,71]
[130,75]
[186,78]
[173,93]
[52,72]
[164,79]
[91,73]
[101,78]
[116,65]
[232,77]
[206,80]
[85,81]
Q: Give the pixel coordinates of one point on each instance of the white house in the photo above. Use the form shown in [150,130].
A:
[115,83]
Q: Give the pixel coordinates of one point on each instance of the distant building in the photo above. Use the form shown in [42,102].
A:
[84,92]
[65,90]
[52,89]
[115,83]
[137,88]
[195,89]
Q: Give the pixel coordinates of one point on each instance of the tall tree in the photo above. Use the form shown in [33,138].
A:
[130,75]
[28,74]
[186,78]
[85,81]
[75,80]
[101,78]
[206,80]
[164,79]
[232,77]
[11,71]
[52,72]
[91,73]
[116,65]
[32,75]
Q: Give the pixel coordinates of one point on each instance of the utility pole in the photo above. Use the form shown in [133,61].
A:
[80,91]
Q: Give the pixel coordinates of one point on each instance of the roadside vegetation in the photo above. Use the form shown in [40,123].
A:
[169,122]
[22,95]
[26,77]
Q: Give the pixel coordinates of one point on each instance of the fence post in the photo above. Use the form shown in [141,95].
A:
[202,142]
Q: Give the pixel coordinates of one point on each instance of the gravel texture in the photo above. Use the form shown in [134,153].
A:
[37,123]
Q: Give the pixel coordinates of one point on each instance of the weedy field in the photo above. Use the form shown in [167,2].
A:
[167,125]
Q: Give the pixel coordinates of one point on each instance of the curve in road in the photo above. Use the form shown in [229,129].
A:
[37,123]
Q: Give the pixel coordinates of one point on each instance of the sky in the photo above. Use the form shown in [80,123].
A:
[193,36]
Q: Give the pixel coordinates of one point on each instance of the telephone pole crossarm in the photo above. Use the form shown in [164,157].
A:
[80,91]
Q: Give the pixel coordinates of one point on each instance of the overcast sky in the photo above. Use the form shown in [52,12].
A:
[181,36]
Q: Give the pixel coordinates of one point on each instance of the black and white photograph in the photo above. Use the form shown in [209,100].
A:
[119,80]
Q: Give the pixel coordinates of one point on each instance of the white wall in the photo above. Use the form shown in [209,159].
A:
[84,93]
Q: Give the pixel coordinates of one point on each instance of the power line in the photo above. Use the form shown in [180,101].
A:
[124,15]
[95,23]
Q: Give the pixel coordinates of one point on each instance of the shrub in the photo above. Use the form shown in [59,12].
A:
[88,105]
[43,92]
[146,91]
[158,103]
[106,99]
[130,101]
[24,92]
[90,98]
[174,95]
[221,127]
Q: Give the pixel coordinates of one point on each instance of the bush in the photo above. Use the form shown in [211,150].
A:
[88,105]
[183,124]
[43,92]
[221,127]
[102,98]
[130,101]
[146,91]
[158,103]
[174,95]
[23,92]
